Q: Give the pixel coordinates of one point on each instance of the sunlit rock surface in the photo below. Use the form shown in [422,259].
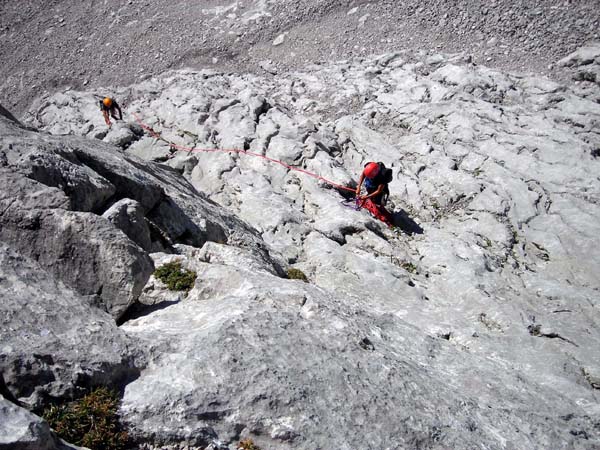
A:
[473,325]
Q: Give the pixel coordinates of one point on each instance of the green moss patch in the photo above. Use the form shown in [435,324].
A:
[175,277]
[296,274]
[247,444]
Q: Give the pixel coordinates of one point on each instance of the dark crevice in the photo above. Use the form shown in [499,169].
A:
[262,110]
[168,217]
[137,310]
[348,230]
[159,238]
[535,330]
[144,191]
[402,220]
[212,415]
[107,204]
[375,228]
[6,393]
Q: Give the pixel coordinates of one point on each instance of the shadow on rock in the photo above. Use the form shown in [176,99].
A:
[400,218]
[403,221]
[138,310]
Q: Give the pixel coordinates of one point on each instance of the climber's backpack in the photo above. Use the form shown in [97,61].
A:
[385,175]
[388,174]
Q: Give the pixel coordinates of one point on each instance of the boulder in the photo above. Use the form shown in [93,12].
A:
[55,344]
[119,135]
[128,216]
[83,250]
[581,57]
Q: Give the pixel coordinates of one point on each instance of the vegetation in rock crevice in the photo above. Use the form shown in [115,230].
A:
[296,274]
[175,277]
[90,422]
[247,444]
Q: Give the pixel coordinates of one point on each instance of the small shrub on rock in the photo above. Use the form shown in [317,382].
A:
[90,422]
[296,274]
[409,267]
[175,277]
[247,444]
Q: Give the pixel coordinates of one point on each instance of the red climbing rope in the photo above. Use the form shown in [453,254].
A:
[237,150]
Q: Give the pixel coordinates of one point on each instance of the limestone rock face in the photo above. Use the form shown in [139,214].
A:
[293,366]
[77,219]
[54,343]
[128,216]
[80,248]
[110,268]
[68,237]
[472,325]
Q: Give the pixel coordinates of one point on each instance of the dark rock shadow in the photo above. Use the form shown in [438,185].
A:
[400,218]
[6,113]
[403,221]
[139,310]
[7,394]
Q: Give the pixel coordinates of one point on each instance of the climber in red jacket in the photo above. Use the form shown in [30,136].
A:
[375,177]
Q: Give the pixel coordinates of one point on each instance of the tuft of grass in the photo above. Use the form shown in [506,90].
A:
[403,125]
[175,277]
[296,274]
[409,267]
[247,444]
[90,422]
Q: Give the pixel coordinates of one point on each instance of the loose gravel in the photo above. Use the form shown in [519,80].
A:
[46,46]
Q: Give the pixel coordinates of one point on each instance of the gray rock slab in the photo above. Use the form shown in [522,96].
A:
[150,149]
[128,216]
[29,193]
[87,190]
[86,252]
[54,343]
[285,363]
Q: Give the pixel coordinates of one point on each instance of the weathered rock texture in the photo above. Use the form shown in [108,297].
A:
[475,327]
[56,190]
[53,344]
[77,219]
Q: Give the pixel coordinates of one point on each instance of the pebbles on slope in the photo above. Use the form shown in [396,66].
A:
[46,47]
